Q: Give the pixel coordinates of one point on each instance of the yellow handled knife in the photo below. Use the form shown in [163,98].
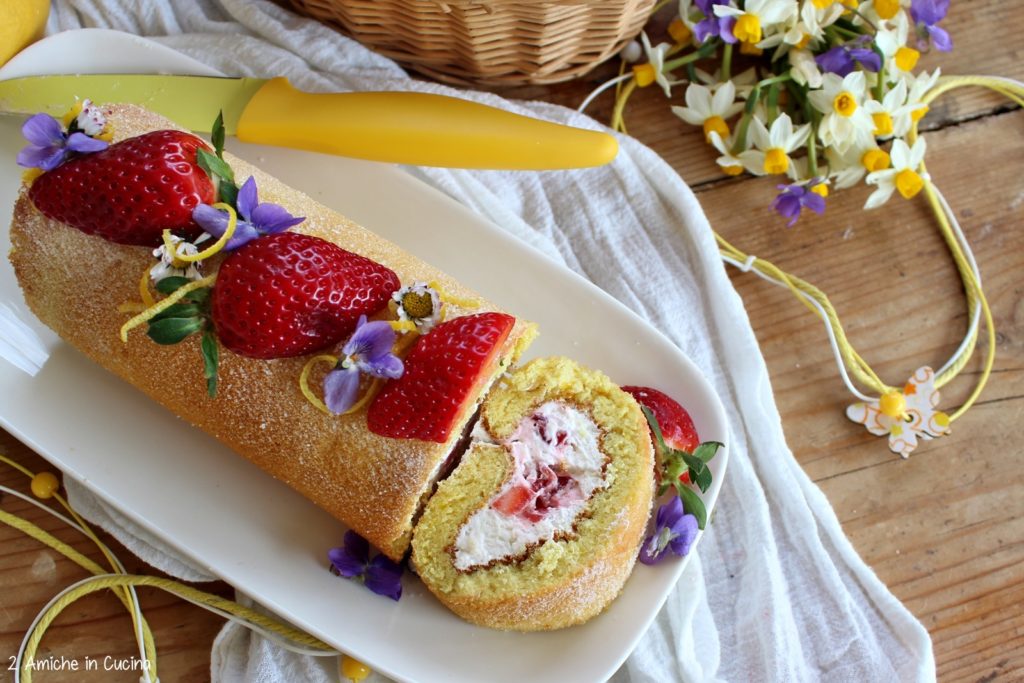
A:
[400,127]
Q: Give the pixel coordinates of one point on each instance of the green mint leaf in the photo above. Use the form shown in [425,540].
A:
[179,311]
[170,284]
[211,359]
[693,504]
[217,134]
[707,450]
[172,330]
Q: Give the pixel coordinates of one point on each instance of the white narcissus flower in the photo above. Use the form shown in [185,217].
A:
[804,69]
[846,122]
[900,58]
[729,162]
[774,146]
[806,27]
[879,11]
[849,168]
[917,86]
[891,116]
[902,177]
[654,70]
[757,17]
[743,82]
[710,110]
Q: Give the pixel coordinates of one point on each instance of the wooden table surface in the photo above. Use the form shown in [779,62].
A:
[944,529]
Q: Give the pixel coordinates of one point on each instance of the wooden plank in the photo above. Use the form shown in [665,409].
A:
[944,529]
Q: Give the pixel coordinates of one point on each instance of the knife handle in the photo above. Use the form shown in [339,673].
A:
[416,128]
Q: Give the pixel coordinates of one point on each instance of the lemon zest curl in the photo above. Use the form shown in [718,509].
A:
[217,246]
[164,304]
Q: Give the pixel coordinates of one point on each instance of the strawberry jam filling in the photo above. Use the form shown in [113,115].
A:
[557,466]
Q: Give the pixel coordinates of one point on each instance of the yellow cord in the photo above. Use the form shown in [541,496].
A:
[172,248]
[164,304]
[120,583]
[973,290]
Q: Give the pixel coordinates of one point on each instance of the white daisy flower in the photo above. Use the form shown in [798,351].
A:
[773,147]
[91,120]
[902,177]
[846,121]
[710,110]
[169,266]
[420,304]
[757,17]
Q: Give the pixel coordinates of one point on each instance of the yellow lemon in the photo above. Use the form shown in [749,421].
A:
[23,23]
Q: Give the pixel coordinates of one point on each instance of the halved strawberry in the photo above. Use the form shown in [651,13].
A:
[676,425]
[444,373]
[515,500]
[289,294]
[130,192]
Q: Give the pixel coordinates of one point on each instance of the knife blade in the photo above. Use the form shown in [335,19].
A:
[415,128]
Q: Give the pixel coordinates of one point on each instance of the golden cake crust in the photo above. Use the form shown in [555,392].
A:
[74,283]
[560,583]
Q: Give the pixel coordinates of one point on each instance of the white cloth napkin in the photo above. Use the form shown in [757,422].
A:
[777,593]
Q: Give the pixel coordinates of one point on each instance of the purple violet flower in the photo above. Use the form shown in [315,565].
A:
[673,530]
[928,13]
[380,575]
[794,198]
[254,219]
[842,59]
[367,351]
[49,145]
[712,26]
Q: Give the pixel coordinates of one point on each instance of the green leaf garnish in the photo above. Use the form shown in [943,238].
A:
[707,450]
[214,166]
[169,285]
[211,359]
[180,310]
[217,134]
[692,504]
[169,331]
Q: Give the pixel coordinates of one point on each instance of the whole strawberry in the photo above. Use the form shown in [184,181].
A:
[444,373]
[290,294]
[130,192]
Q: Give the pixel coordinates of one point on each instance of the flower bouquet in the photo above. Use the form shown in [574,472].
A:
[830,100]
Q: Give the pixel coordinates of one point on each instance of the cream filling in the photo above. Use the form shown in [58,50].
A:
[558,465]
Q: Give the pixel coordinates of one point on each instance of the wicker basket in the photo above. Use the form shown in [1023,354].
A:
[492,42]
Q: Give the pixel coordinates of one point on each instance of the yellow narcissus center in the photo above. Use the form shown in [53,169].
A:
[679,31]
[715,124]
[883,123]
[906,58]
[822,4]
[918,113]
[909,183]
[821,189]
[845,104]
[875,160]
[733,169]
[417,305]
[776,161]
[887,9]
[747,29]
[805,40]
[644,75]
